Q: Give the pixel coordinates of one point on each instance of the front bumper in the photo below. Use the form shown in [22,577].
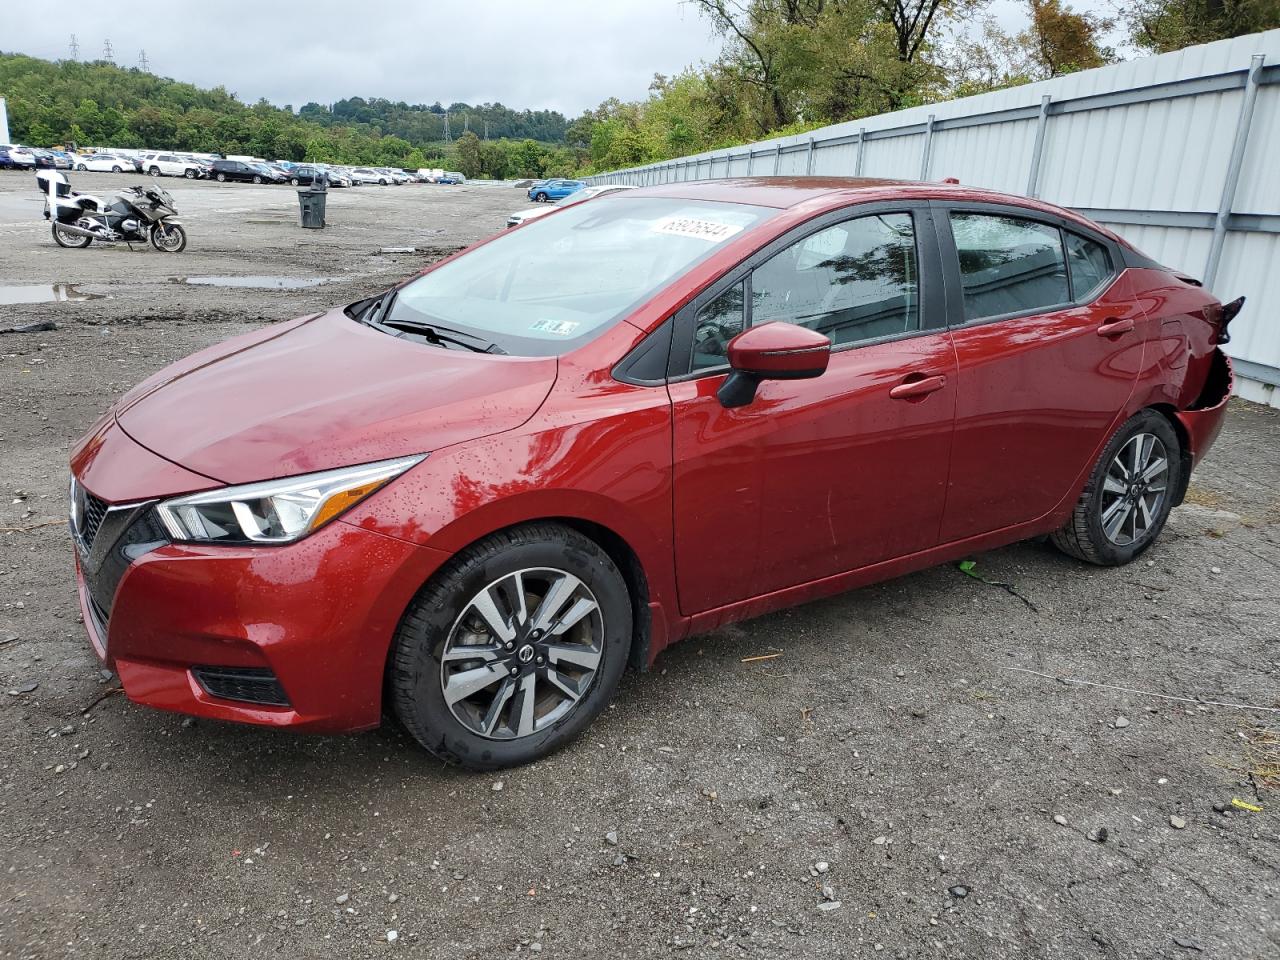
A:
[316,617]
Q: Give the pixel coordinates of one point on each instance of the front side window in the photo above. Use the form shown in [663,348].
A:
[715,325]
[1008,265]
[544,289]
[855,281]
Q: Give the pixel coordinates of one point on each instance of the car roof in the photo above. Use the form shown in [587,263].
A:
[830,192]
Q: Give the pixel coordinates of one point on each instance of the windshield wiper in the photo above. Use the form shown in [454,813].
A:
[438,335]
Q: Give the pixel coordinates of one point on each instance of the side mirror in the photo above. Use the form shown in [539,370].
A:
[772,351]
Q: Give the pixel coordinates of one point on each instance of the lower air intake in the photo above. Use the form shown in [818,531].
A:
[246,684]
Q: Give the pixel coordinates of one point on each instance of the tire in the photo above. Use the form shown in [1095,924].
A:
[115,169]
[540,197]
[222,178]
[293,181]
[154,171]
[70,240]
[1110,497]
[189,173]
[442,612]
[257,179]
[82,168]
[168,238]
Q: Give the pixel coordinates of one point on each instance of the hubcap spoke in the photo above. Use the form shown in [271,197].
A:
[500,700]
[484,605]
[468,682]
[574,654]
[522,709]
[581,607]
[472,651]
[1154,469]
[558,594]
[1112,485]
[1112,527]
[562,683]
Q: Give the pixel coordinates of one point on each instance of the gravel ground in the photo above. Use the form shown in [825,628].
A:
[894,784]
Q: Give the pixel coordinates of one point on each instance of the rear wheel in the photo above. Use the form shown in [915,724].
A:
[513,648]
[1130,492]
[222,178]
[294,181]
[72,241]
[115,169]
[189,173]
[168,237]
[257,179]
[82,168]
[154,171]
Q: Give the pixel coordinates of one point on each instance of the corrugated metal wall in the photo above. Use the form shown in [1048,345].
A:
[1144,146]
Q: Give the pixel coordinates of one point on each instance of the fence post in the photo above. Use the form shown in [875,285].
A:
[1042,121]
[1233,169]
[808,159]
[777,157]
[751,160]
[862,146]
[928,145]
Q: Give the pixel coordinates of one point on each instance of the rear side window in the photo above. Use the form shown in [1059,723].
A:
[1090,266]
[1008,265]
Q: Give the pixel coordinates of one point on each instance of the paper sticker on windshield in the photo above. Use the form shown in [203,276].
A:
[699,229]
[557,328]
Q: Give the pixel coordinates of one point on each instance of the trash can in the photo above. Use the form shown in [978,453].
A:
[311,203]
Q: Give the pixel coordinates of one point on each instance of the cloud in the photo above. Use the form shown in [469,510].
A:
[566,55]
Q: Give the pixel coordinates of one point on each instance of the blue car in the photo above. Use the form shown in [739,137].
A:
[554,190]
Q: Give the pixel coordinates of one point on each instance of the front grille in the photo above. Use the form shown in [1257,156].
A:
[93,511]
[246,684]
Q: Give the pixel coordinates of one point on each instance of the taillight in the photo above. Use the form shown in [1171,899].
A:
[1229,313]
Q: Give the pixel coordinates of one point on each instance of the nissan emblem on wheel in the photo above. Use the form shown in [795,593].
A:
[471,501]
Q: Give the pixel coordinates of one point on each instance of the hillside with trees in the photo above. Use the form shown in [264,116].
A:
[785,66]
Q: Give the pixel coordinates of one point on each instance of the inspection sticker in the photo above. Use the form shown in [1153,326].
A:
[708,230]
[557,328]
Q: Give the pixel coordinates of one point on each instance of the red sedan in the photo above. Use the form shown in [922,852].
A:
[477,498]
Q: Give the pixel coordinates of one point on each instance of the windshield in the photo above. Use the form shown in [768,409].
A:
[552,285]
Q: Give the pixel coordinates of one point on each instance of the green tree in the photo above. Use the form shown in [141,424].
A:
[1163,25]
[467,150]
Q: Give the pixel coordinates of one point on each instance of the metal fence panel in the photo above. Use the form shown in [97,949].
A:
[1177,153]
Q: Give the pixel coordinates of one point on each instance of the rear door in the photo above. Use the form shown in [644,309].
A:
[1050,343]
[815,477]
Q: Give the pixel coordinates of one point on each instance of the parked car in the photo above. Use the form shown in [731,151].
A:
[370,175]
[103,163]
[336,177]
[14,157]
[51,159]
[238,170]
[586,193]
[484,493]
[169,165]
[451,178]
[554,190]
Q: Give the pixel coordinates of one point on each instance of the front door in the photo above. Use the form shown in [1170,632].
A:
[816,477]
[1049,344]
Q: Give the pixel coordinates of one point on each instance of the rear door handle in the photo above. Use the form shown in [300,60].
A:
[913,389]
[1115,327]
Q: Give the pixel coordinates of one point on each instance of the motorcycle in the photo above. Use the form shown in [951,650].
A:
[136,215]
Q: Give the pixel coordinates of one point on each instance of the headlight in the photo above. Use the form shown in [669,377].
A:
[276,511]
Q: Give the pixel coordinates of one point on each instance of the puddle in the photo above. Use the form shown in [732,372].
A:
[256,283]
[11,293]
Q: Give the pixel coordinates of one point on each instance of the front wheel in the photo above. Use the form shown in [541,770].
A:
[82,168]
[513,648]
[154,171]
[1129,494]
[115,169]
[541,198]
[294,181]
[222,178]
[168,237]
[189,174]
[72,241]
[257,179]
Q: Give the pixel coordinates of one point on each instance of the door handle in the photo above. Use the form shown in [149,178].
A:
[1115,327]
[921,387]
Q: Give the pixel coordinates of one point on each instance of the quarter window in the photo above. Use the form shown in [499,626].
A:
[1008,265]
[855,281]
[1090,266]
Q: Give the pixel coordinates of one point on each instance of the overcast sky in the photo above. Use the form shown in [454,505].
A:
[566,55]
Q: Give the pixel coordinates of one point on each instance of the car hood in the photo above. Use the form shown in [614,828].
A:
[325,392]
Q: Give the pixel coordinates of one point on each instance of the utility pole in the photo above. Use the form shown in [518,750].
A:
[75,48]
[466,122]
[142,61]
[447,138]
[107,53]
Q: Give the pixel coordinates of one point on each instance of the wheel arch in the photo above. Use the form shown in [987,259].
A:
[1170,414]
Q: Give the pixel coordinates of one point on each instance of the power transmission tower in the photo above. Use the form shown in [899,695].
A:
[142,61]
[486,129]
[447,138]
[107,53]
[75,48]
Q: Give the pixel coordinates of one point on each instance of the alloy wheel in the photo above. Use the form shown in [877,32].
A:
[1134,489]
[522,654]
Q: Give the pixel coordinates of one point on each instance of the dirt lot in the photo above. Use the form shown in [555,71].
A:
[895,752]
